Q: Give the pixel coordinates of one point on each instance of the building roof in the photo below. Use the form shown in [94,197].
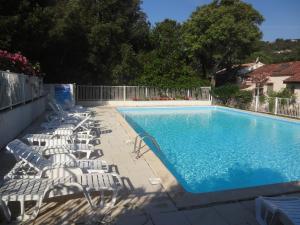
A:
[293,79]
[281,69]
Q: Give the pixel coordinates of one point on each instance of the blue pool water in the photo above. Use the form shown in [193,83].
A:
[214,148]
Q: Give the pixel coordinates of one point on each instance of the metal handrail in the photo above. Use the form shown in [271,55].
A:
[142,136]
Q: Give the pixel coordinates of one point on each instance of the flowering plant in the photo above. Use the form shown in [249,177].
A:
[18,63]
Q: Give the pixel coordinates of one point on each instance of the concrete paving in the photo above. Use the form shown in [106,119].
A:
[140,203]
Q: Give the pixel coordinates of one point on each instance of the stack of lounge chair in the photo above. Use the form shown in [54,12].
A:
[48,164]
[278,210]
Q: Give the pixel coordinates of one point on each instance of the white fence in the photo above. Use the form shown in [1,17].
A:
[277,106]
[18,89]
[138,93]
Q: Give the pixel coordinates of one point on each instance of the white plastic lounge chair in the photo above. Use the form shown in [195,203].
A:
[60,111]
[37,190]
[69,129]
[56,139]
[55,121]
[53,144]
[34,164]
[68,103]
[277,210]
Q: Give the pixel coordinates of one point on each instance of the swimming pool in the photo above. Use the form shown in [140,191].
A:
[214,148]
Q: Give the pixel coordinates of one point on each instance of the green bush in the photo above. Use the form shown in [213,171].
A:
[262,99]
[284,93]
[243,99]
[225,93]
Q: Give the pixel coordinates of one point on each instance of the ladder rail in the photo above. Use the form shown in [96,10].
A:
[141,137]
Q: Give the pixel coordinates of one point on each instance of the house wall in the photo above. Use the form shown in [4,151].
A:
[296,88]
[278,84]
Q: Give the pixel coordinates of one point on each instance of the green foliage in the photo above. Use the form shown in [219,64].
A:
[111,42]
[262,99]
[277,51]
[284,93]
[243,99]
[225,93]
[166,65]
[222,33]
[77,41]
[231,95]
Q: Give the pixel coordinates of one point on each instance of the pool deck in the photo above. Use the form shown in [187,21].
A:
[161,203]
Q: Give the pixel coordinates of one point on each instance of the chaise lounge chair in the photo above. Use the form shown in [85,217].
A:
[57,109]
[33,165]
[54,144]
[24,190]
[68,129]
[278,210]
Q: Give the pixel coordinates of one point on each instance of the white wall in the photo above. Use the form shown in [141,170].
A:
[13,122]
[144,103]
[277,82]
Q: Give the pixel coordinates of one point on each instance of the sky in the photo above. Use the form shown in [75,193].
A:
[282,17]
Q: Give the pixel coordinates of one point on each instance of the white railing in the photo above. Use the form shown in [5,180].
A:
[18,89]
[138,93]
[277,106]
[139,139]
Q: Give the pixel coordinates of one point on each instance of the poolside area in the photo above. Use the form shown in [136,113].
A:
[159,203]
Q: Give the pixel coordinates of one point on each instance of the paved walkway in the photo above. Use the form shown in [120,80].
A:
[141,203]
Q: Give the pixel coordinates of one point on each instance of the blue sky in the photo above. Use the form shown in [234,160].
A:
[282,17]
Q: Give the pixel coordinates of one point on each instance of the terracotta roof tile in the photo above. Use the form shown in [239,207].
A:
[280,69]
[293,79]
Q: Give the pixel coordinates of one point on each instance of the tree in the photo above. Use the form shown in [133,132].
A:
[167,65]
[76,41]
[225,93]
[222,33]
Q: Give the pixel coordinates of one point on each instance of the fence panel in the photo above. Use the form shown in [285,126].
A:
[4,91]
[18,88]
[138,93]
[277,106]
[288,107]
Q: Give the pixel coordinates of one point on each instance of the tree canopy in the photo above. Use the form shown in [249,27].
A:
[111,41]
[222,33]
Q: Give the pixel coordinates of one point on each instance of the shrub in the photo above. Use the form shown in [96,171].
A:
[225,93]
[243,99]
[15,62]
[284,93]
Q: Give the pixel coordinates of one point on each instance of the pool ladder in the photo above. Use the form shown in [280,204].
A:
[138,146]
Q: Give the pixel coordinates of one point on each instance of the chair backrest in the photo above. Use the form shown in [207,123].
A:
[53,107]
[48,140]
[27,155]
[81,123]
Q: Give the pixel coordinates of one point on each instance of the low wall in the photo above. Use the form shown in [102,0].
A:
[144,103]
[13,122]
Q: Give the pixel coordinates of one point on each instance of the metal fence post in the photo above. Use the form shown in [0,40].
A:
[23,89]
[124,93]
[256,103]
[146,92]
[9,90]
[276,106]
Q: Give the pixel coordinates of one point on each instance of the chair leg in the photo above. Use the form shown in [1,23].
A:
[88,154]
[102,202]
[113,198]
[5,209]
[23,216]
